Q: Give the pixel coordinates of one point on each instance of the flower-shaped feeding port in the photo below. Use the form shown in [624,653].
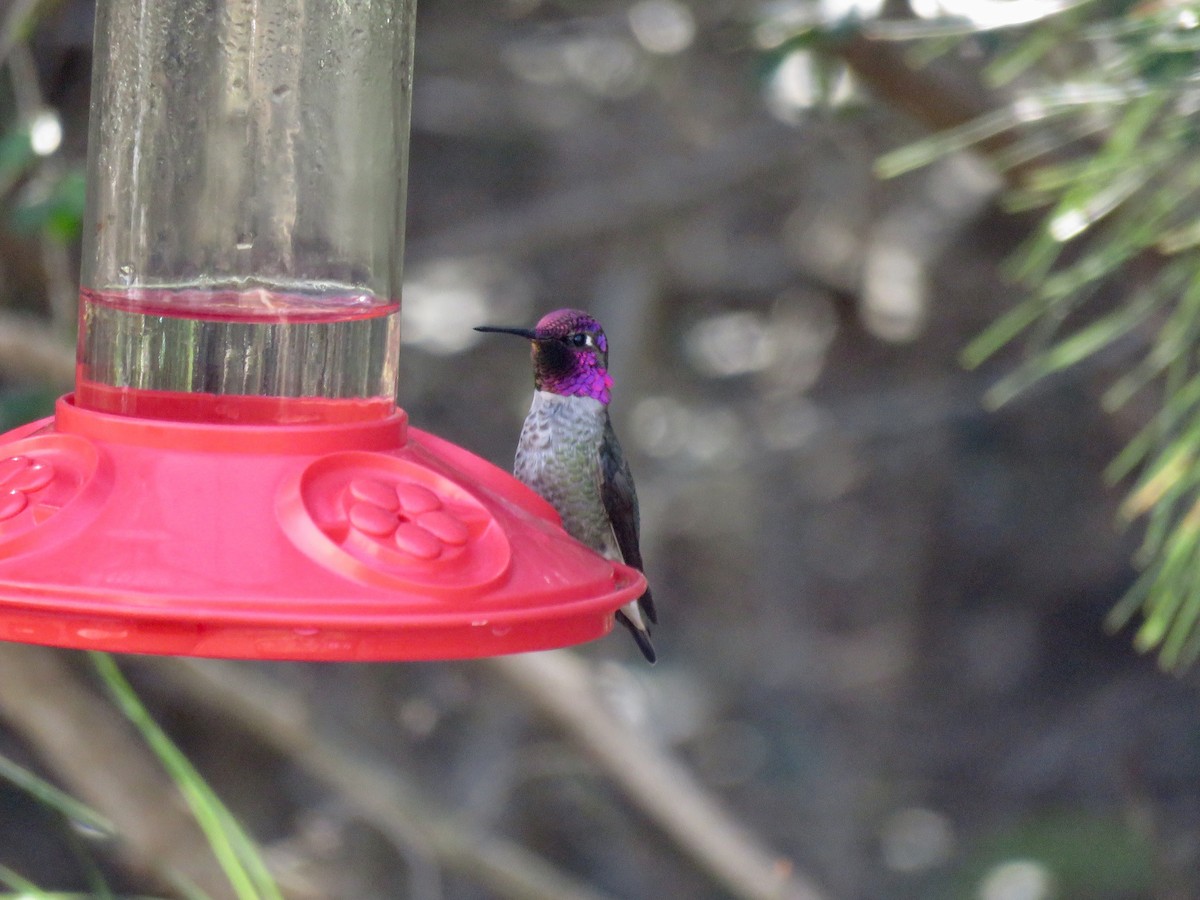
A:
[405,515]
[391,521]
[21,478]
[39,476]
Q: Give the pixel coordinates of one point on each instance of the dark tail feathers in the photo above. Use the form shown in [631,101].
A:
[642,637]
[646,603]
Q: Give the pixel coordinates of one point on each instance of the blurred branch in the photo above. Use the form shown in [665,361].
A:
[102,762]
[944,100]
[930,97]
[29,349]
[60,278]
[282,717]
[62,290]
[17,22]
[27,93]
[654,189]
[935,99]
[558,683]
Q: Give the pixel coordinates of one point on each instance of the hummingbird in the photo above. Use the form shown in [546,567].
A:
[569,454]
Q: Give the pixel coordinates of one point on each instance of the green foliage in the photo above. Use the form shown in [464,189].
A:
[1080,855]
[74,812]
[235,850]
[23,886]
[51,797]
[59,212]
[19,405]
[51,199]
[16,154]
[1104,143]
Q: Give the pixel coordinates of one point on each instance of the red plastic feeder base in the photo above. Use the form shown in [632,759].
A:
[349,541]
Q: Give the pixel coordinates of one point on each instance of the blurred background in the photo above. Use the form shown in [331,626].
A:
[882,643]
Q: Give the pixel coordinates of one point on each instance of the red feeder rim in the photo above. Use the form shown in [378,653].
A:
[351,541]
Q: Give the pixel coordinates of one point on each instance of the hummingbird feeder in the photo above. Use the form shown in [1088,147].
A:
[232,476]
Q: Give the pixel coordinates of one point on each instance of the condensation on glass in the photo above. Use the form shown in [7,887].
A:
[245,218]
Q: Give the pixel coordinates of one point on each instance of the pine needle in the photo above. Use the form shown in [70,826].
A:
[1129,195]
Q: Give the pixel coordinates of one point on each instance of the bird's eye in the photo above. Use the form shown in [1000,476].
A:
[579,340]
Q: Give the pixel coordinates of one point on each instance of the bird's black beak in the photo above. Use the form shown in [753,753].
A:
[519,332]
